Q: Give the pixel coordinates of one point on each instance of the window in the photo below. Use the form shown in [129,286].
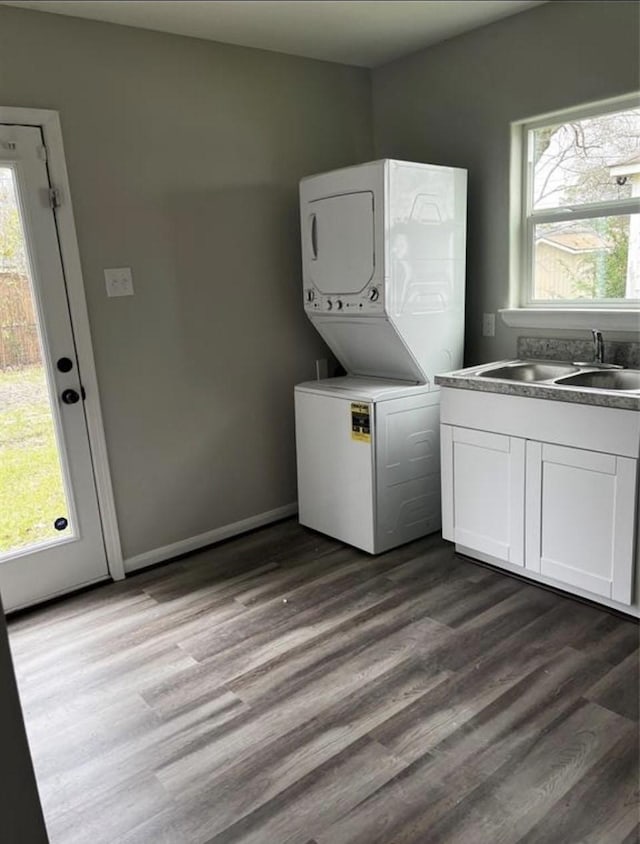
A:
[578,228]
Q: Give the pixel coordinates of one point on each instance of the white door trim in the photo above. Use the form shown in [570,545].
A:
[49,122]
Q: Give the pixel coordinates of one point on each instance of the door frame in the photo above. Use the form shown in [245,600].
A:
[49,122]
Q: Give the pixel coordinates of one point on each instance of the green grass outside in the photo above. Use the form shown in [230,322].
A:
[31,490]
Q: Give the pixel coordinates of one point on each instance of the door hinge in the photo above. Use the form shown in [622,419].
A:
[55,200]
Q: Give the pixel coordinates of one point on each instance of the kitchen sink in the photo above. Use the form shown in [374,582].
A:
[603,380]
[538,371]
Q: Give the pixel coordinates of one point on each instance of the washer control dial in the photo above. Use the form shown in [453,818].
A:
[374,294]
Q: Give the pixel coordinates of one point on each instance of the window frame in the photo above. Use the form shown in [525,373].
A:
[524,309]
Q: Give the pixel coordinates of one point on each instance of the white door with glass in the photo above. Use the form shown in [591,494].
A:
[50,532]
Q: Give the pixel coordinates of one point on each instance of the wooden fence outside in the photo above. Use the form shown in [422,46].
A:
[19,342]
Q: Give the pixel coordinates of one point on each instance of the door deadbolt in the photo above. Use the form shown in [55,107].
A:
[70,396]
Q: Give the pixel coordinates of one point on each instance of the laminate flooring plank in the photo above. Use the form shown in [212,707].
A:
[495,625]
[161,625]
[513,721]
[90,735]
[215,565]
[601,807]
[506,805]
[529,672]
[619,689]
[439,799]
[610,637]
[33,637]
[336,587]
[83,781]
[380,817]
[106,678]
[128,735]
[315,799]
[221,797]
[291,575]
[244,786]
[444,591]
[283,712]
[410,697]
[367,632]
[443,711]
[109,816]
[359,627]
[276,628]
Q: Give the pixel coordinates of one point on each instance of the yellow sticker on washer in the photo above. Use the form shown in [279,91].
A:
[360,422]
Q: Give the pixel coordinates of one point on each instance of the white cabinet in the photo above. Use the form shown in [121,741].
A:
[580,518]
[483,492]
[561,507]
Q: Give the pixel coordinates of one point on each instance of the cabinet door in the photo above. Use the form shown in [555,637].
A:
[483,492]
[580,518]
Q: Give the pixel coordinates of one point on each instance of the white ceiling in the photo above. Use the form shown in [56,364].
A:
[361,32]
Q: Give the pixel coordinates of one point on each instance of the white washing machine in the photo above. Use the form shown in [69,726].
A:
[368,452]
[383,258]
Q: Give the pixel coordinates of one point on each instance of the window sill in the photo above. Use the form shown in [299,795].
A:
[627,320]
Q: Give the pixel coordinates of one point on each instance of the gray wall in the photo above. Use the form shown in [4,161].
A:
[453,104]
[21,820]
[184,158]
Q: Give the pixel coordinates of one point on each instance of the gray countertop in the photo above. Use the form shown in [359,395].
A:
[471,379]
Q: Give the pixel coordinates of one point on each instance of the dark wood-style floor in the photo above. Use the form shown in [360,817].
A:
[285,688]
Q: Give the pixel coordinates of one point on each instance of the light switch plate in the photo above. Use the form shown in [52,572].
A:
[119,281]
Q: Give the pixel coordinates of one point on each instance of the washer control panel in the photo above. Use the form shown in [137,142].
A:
[369,301]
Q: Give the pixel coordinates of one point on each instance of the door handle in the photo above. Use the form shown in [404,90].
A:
[314,237]
[70,396]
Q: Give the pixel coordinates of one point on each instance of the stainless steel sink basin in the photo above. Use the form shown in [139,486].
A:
[604,380]
[530,371]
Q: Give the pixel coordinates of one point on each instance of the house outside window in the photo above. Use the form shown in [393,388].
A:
[576,214]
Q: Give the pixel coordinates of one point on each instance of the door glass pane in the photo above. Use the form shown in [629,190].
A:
[33,502]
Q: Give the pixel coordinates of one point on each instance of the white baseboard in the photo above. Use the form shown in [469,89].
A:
[193,543]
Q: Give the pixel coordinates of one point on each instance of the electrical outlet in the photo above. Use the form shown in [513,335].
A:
[488,325]
[119,281]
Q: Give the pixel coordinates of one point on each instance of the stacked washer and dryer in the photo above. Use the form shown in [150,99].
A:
[383,249]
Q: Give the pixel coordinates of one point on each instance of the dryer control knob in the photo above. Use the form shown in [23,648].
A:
[374,293]
[329,304]
[339,304]
[310,296]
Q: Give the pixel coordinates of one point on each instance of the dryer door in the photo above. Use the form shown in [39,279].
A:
[338,243]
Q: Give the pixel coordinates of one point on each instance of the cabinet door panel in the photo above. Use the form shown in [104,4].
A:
[483,492]
[580,518]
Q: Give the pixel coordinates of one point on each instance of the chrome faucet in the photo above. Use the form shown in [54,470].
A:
[598,346]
